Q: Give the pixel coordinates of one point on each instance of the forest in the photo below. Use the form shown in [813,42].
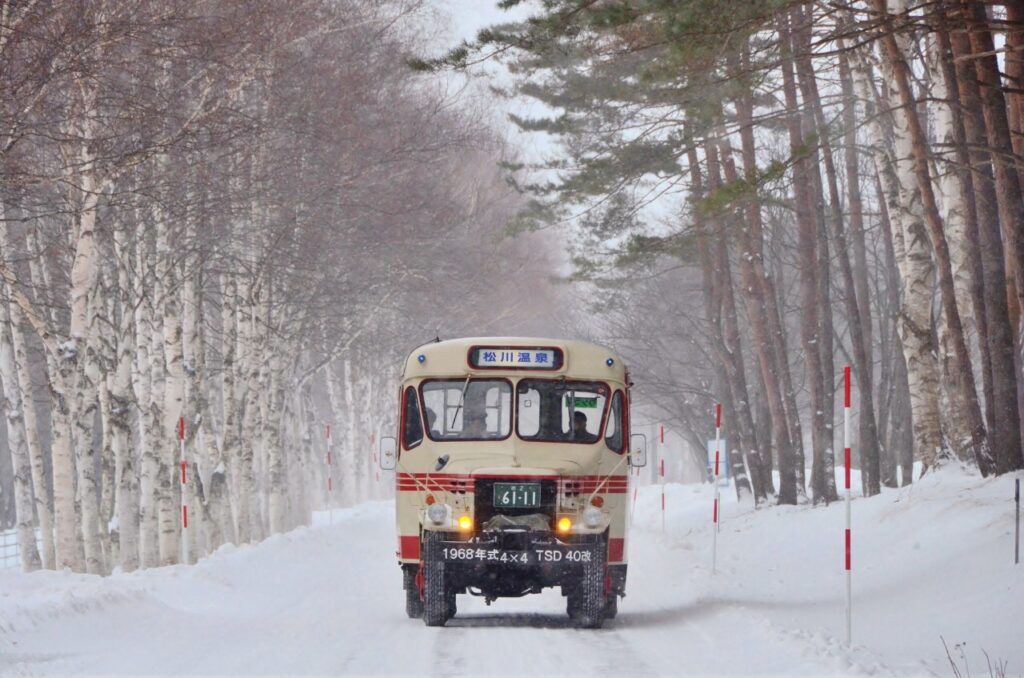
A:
[243,215]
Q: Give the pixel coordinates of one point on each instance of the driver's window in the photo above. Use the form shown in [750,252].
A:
[613,432]
[412,428]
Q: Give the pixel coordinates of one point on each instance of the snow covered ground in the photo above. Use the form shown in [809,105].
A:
[933,560]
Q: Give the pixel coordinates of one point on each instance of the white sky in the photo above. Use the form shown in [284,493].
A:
[458,20]
[466,17]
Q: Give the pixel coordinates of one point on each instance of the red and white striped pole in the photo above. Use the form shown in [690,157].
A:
[184,491]
[714,510]
[846,455]
[330,476]
[661,472]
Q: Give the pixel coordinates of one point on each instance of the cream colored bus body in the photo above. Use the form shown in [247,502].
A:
[587,474]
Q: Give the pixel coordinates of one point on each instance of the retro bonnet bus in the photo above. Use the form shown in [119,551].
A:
[512,470]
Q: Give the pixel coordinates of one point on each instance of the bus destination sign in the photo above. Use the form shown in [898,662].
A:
[515,357]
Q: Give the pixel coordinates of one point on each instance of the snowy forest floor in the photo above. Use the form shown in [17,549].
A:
[931,560]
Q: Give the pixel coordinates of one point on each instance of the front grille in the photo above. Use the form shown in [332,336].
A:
[484,497]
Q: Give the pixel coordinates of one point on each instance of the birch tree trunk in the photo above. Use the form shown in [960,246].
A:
[248,499]
[147,378]
[954,215]
[895,57]
[122,405]
[20,464]
[84,409]
[40,488]
[909,242]
[231,445]
[173,401]
[347,468]
[343,477]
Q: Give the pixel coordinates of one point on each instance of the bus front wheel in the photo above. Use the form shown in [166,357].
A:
[437,600]
[587,603]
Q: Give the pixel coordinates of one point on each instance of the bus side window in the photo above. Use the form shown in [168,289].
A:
[613,433]
[412,428]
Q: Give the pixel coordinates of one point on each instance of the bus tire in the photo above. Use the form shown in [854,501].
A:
[592,598]
[413,602]
[436,601]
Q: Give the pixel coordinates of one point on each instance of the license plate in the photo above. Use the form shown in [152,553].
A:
[516,495]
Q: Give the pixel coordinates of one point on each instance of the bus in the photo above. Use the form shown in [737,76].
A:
[512,463]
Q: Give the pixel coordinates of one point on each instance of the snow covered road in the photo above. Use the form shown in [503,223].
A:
[327,600]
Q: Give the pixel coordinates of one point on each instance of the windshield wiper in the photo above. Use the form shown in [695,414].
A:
[462,399]
[572,414]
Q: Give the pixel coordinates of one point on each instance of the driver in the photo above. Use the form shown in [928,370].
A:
[579,428]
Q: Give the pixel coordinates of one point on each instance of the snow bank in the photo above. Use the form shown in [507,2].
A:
[930,561]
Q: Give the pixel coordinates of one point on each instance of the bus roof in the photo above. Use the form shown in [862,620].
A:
[451,358]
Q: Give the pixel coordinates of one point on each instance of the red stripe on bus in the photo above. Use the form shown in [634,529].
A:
[616,550]
[436,482]
[409,547]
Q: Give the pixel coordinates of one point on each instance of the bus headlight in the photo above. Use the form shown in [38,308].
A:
[592,517]
[437,513]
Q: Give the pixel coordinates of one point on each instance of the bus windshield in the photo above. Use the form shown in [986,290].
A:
[557,410]
[467,409]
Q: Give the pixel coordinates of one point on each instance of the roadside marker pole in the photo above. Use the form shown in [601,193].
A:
[846,460]
[661,472]
[184,490]
[373,452]
[330,477]
[714,510]
[1016,538]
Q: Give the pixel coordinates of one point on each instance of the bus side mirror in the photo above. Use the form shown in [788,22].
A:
[638,450]
[388,453]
